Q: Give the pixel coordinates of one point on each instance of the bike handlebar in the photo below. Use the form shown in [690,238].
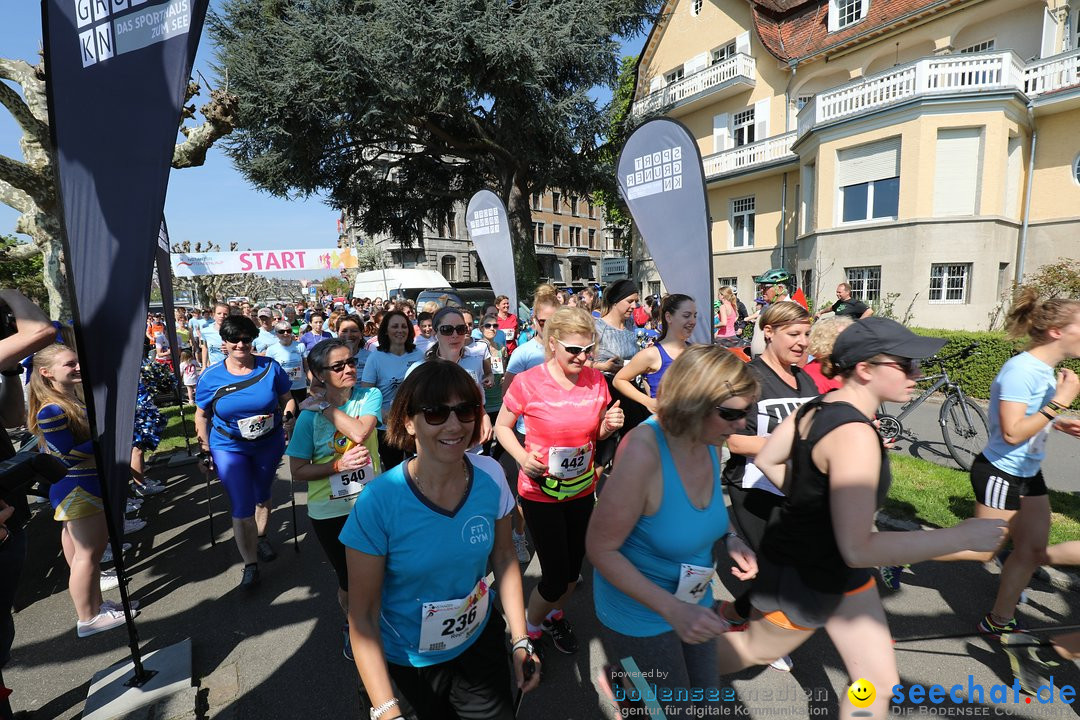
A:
[962,354]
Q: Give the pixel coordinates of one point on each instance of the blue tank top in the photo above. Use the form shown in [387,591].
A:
[654,378]
[659,545]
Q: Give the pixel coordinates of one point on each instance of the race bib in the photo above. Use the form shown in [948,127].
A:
[446,624]
[294,373]
[567,463]
[497,364]
[694,581]
[254,427]
[1037,444]
[509,333]
[345,485]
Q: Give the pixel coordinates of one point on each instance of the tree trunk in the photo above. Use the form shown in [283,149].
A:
[516,198]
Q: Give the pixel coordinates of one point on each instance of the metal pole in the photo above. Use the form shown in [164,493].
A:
[292,497]
[1021,249]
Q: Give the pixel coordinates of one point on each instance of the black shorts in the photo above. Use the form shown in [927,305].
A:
[780,594]
[1000,490]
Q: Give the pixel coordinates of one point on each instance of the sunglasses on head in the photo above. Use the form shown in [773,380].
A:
[491,326]
[339,366]
[576,349]
[448,330]
[732,414]
[438,414]
[907,366]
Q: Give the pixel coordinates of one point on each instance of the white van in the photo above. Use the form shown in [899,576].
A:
[395,282]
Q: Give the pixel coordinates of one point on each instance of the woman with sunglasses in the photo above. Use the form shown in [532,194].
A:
[244,410]
[680,317]
[290,355]
[428,641]
[659,515]
[334,449]
[386,368]
[817,557]
[493,394]
[565,408]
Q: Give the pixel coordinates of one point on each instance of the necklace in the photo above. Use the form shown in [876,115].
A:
[423,491]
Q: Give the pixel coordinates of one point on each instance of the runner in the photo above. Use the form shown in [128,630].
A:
[815,564]
[266,336]
[189,371]
[386,368]
[819,346]
[210,337]
[428,641]
[565,407]
[508,322]
[727,315]
[493,394]
[784,387]
[659,515]
[243,411]
[773,286]
[680,318]
[616,344]
[315,334]
[426,337]
[334,450]
[290,355]
[57,417]
[350,330]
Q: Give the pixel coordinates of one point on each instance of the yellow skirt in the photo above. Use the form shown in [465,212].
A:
[78,504]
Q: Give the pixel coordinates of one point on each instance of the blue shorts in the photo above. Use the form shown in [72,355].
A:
[248,477]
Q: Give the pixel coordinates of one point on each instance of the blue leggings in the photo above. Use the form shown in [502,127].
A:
[247,478]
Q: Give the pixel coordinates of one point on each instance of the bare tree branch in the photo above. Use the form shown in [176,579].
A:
[220,114]
[22,113]
[15,198]
[26,178]
[31,78]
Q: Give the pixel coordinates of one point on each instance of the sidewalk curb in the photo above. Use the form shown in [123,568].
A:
[1064,580]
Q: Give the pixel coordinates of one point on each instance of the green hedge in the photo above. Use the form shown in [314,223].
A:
[977,373]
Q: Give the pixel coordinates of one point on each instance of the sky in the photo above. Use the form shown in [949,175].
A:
[210,203]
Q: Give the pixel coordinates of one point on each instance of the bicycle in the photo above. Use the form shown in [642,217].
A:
[963,423]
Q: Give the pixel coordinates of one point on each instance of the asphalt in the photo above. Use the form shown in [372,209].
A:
[276,653]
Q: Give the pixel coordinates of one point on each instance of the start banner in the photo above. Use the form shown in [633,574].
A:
[255,261]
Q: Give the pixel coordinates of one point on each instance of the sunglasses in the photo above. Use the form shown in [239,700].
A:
[438,414]
[244,340]
[339,366]
[732,414]
[283,332]
[576,349]
[491,326]
[448,330]
[539,322]
[909,367]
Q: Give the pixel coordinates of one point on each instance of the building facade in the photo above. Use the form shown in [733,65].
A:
[924,151]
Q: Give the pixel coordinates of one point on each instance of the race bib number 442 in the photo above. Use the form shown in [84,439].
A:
[566,463]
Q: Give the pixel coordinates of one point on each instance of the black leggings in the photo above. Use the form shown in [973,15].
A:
[327,532]
[558,535]
[752,509]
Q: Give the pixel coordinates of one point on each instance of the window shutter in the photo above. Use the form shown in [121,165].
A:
[866,163]
[721,133]
[1012,178]
[956,171]
[742,43]
[656,84]
[1049,34]
[698,62]
[834,16]
[761,119]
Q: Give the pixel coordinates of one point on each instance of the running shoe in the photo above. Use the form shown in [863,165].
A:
[347,649]
[146,490]
[109,580]
[251,577]
[266,551]
[1032,660]
[108,556]
[105,620]
[783,664]
[521,547]
[890,575]
[988,627]
[562,634]
[133,526]
[725,610]
[110,605]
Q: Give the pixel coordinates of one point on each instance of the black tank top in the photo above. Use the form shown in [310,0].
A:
[801,534]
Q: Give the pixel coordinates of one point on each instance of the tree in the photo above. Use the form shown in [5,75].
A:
[22,274]
[396,109]
[620,124]
[27,185]
[1059,279]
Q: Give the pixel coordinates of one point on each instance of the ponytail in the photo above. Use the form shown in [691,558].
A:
[1034,319]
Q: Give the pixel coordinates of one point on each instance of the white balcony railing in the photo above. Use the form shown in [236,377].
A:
[972,73]
[738,67]
[750,156]
[578,251]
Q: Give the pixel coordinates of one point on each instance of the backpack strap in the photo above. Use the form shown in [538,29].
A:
[234,387]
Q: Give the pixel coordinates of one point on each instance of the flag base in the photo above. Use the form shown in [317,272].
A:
[113,694]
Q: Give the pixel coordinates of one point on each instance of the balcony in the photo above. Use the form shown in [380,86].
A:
[717,81]
[750,157]
[578,252]
[949,75]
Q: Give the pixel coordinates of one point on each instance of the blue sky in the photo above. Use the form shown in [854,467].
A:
[210,203]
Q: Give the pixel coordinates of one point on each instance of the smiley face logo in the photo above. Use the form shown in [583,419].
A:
[861,693]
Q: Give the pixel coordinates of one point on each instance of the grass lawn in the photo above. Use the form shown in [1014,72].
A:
[940,496]
[173,437]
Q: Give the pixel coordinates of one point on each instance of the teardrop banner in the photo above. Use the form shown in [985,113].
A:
[662,181]
[489,229]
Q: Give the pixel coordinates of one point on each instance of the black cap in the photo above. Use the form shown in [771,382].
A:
[873,336]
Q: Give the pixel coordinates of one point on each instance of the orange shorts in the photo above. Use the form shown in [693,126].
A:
[779,619]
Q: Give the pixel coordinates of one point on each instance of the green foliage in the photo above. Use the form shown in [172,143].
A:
[618,129]
[336,286]
[1060,279]
[977,373]
[24,275]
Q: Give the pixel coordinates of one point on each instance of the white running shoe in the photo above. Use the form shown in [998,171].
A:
[133,526]
[105,620]
[109,580]
[783,664]
[521,546]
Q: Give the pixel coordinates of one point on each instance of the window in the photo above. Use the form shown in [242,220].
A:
[871,200]
[592,210]
[538,233]
[674,76]
[1076,170]
[449,267]
[721,54]
[865,283]
[556,198]
[957,171]
[573,206]
[949,283]
[848,12]
[695,7]
[537,201]
[742,223]
[654,287]
[451,225]
[731,282]
[575,237]
[556,234]
[743,127]
[1004,278]
[984,46]
[869,180]
[592,239]
[802,101]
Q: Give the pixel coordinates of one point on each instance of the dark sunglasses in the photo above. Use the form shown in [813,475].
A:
[491,326]
[576,349]
[438,414]
[448,330]
[245,339]
[283,332]
[339,366]
[732,414]
[908,366]
[539,322]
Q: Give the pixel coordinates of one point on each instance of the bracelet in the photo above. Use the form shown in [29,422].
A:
[378,712]
[1056,406]
[1047,415]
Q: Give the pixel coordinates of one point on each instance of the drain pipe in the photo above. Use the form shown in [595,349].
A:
[783,217]
[1021,250]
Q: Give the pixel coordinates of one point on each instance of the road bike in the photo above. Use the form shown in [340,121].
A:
[963,423]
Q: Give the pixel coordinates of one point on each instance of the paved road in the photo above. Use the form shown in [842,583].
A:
[277,654]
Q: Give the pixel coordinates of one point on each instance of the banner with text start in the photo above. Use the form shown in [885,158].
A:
[268,261]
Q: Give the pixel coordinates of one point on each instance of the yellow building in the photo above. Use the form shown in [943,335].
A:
[886,143]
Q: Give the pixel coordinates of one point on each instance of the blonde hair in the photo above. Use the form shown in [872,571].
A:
[1034,318]
[701,378]
[783,313]
[44,391]
[823,336]
[568,321]
[727,294]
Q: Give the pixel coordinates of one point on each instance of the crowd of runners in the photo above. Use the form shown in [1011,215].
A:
[443,446]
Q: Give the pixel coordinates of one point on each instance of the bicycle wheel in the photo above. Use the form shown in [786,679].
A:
[964,427]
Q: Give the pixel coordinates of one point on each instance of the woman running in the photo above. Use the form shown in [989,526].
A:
[334,449]
[210,337]
[565,408]
[726,315]
[350,330]
[290,356]
[816,560]
[244,409]
[508,322]
[680,317]
[386,368]
[616,344]
[419,542]
[659,515]
[497,357]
